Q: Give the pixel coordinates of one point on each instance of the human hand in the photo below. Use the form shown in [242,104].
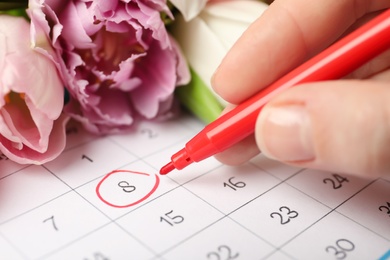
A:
[339,126]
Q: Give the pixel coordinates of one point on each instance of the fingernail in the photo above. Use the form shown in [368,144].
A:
[285,133]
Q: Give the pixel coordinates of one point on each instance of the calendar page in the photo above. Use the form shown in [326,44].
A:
[103,199]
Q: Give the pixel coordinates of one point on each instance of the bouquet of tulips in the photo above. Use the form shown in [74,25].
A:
[107,64]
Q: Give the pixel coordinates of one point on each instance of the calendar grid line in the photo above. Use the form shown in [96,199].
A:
[278,250]
[34,208]
[20,252]
[113,221]
[195,178]
[48,254]
[227,215]
[179,141]
[146,246]
[335,208]
[150,201]
[109,221]
[178,185]
[96,177]
[189,237]
[324,216]
[359,223]
[18,170]
[183,185]
[68,207]
[81,144]
[318,200]
[265,192]
[146,203]
[251,200]
[160,254]
[277,177]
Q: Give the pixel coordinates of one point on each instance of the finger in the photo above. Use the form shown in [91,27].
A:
[383,76]
[287,33]
[339,126]
[373,67]
[240,152]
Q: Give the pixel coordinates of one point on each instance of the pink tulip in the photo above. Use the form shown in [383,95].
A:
[32,129]
[119,62]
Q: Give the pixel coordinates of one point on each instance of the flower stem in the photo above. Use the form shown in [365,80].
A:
[199,99]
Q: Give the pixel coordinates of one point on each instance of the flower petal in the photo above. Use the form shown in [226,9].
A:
[40,83]
[210,35]
[189,8]
[71,22]
[25,155]
[158,82]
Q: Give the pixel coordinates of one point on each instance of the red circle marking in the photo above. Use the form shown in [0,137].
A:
[157,182]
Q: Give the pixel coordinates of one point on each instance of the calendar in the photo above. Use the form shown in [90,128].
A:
[103,199]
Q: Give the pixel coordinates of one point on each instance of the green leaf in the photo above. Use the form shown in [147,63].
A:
[199,99]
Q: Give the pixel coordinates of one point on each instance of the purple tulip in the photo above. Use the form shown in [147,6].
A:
[119,62]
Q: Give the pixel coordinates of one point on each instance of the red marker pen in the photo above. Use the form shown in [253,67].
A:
[335,62]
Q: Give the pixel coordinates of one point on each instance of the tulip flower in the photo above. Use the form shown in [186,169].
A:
[189,8]
[206,38]
[119,61]
[32,128]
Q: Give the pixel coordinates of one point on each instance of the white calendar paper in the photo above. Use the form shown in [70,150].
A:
[103,199]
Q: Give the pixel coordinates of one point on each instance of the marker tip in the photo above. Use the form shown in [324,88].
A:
[167,168]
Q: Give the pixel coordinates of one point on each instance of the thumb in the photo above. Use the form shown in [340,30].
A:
[340,126]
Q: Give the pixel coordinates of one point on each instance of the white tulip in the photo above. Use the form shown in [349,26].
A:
[206,38]
[189,8]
